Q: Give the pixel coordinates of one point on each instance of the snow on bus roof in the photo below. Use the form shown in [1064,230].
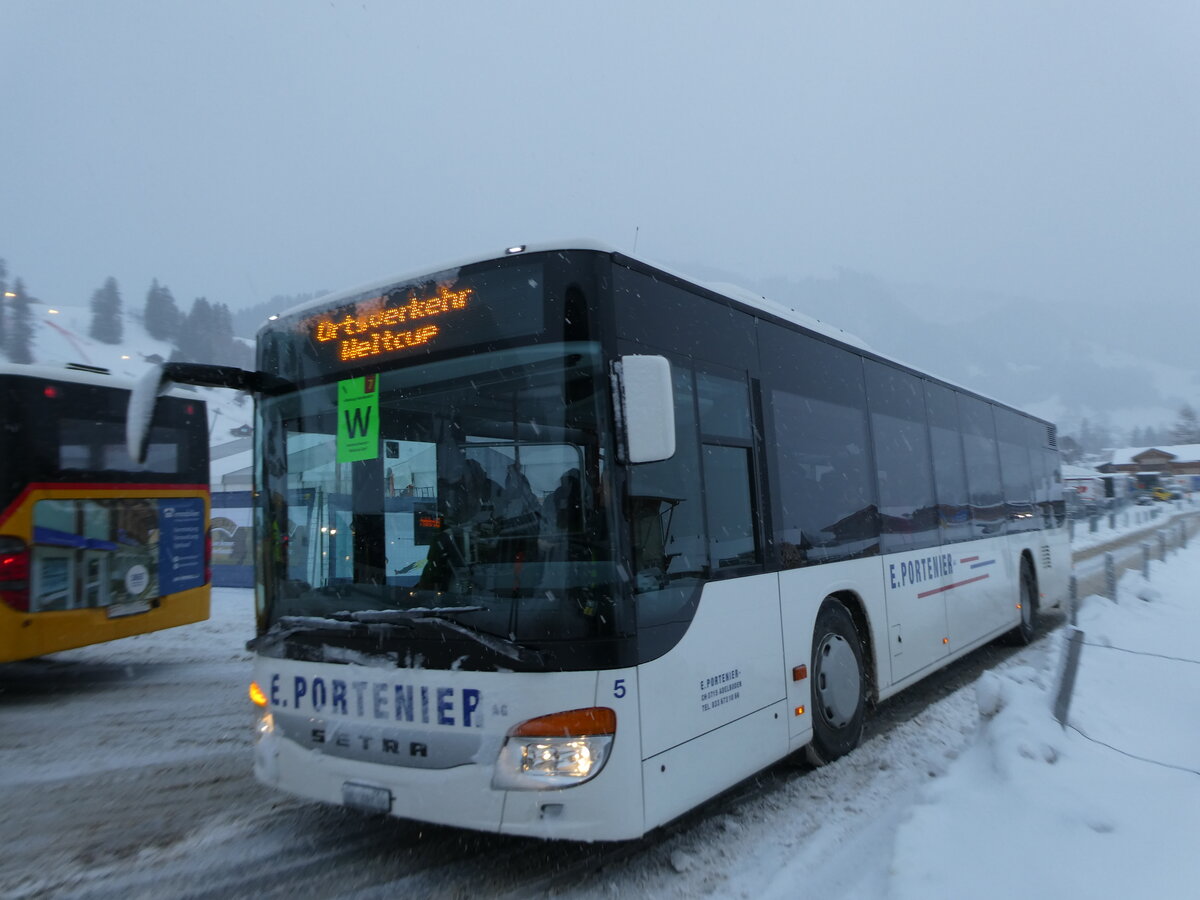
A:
[67,372]
[732,291]
[332,299]
[80,374]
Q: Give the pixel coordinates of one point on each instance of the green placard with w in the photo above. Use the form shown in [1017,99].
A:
[358,419]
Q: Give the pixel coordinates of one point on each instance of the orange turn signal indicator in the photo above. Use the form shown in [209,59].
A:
[257,697]
[572,723]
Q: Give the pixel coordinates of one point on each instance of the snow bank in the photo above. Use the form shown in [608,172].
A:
[1107,807]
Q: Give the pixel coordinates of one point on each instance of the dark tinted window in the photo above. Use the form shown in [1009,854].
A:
[824,481]
[724,406]
[983,466]
[732,536]
[725,427]
[1016,470]
[949,469]
[907,507]
[93,445]
[660,315]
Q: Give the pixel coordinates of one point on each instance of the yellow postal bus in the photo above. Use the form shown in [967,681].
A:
[93,546]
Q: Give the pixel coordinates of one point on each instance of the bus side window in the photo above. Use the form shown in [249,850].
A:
[820,457]
[908,510]
[983,466]
[1015,470]
[729,492]
[949,469]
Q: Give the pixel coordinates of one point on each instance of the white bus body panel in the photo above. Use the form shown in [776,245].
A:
[718,707]
[712,706]
[981,593]
[462,794]
[1053,563]
[916,583]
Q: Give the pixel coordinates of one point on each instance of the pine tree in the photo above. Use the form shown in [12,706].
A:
[195,340]
[20,326]
[1187,429]
[223,349]
[161,317]
[107,326]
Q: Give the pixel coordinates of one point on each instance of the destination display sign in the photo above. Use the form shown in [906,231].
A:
[444,311]
[380,328]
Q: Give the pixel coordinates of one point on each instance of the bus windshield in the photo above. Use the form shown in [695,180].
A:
[472,489]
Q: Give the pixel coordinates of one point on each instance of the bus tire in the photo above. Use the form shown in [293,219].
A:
[1027,599]
[839,695]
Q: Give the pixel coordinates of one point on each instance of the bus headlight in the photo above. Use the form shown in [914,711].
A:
[266,748]
[556,751]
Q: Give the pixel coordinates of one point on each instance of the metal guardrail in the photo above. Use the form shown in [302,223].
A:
[1112,558]
[1066,683]
[1170,532]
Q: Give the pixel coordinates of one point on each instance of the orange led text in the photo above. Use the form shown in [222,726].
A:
[373,331]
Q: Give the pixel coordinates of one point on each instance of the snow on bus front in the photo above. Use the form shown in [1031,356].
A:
[387,734]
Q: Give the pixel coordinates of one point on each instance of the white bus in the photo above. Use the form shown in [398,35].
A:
[560,544]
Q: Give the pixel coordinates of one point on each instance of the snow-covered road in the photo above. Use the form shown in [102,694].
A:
[125,772]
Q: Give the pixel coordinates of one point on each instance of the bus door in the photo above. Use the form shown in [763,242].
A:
[915,565]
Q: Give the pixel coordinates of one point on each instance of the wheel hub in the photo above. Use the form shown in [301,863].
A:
[838,682]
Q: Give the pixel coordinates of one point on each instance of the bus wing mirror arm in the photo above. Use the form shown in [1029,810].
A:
[159,378]
[645,405]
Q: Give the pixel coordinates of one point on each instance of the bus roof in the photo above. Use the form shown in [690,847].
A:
[77,373]
[67,372]
[732,292]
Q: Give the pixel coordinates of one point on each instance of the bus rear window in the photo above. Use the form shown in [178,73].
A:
[92,446]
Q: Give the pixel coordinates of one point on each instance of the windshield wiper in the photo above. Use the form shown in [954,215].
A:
[392,616]
[337,624]
[347,623]
[440,616]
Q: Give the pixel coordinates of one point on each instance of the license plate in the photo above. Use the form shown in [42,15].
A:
[132,608]
[366,797]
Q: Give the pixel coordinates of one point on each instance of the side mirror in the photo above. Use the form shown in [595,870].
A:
[159,378]
[141,411]
[646,406]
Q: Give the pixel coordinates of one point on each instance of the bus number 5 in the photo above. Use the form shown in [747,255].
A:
[619,688]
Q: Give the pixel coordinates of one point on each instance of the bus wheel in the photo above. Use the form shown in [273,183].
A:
[1027,598]
[838,685]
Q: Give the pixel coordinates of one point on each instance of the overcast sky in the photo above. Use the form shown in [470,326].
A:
[238,149]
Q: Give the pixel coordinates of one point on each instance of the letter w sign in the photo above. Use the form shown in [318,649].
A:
[357,419]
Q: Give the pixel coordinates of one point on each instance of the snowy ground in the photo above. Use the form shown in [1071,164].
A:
[1108,806]
[124,771]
